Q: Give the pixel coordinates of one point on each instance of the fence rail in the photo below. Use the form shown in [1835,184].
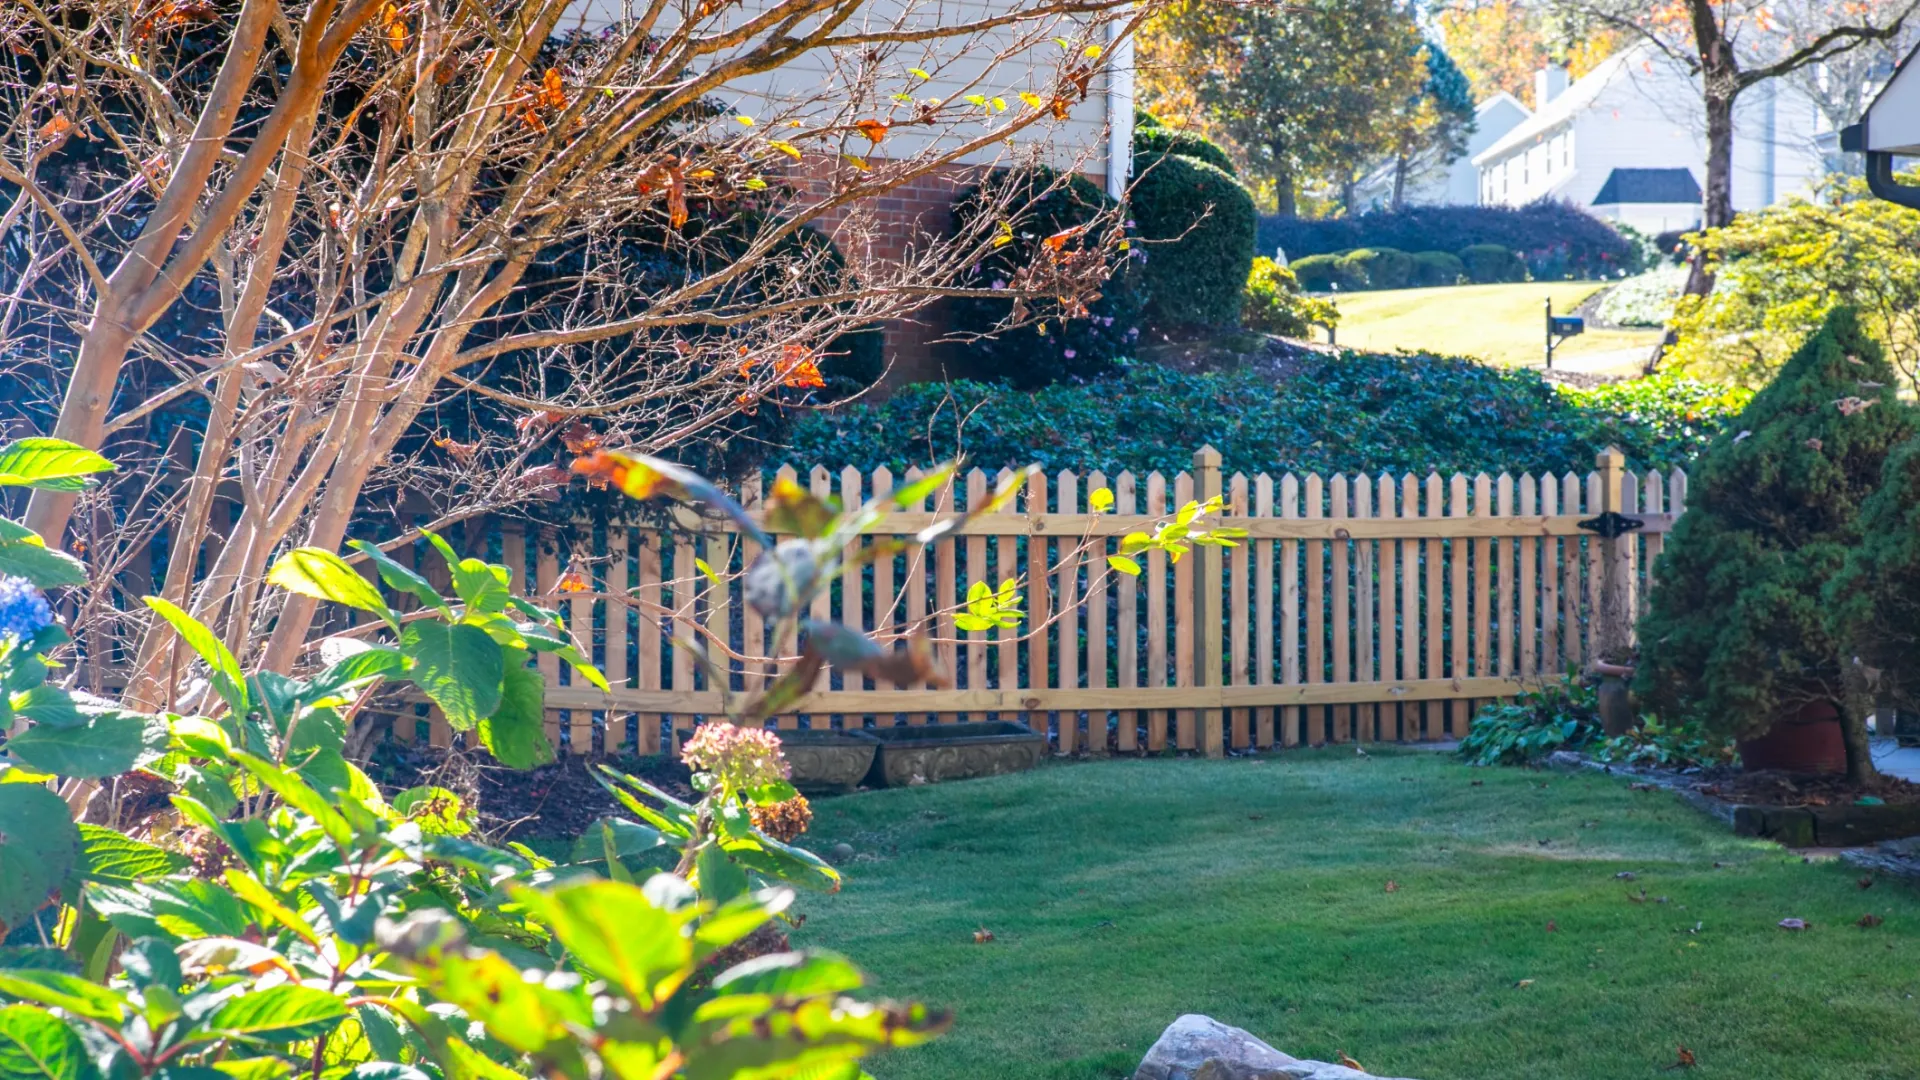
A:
[1357,608]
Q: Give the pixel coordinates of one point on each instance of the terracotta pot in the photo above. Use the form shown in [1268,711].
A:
[1810,741]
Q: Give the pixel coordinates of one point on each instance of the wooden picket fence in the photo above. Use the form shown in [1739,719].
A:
[1356,609]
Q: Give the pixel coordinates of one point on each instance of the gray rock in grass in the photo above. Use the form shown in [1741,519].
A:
[1197,1047]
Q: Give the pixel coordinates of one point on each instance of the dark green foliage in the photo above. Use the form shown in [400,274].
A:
[1348,413]
[1562,715]
[1166,140]
[1198,223]
[1876,597]
[1274,303]
[1437,268]
[1738,633]
[1588,247]
[1321,273]
[1490,264]
[1379,268]
[1069,348]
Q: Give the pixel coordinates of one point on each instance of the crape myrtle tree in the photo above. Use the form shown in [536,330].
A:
[348,204]
[1739,632]
[1732,46]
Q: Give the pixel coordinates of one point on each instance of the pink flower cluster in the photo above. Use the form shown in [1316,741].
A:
[738,758]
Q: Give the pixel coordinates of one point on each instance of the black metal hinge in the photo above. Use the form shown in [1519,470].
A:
[1612,524]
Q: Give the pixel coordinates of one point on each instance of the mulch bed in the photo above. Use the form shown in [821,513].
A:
[1789,790]
[556,801]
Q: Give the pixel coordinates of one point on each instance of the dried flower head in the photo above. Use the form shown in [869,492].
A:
[784,821]
[738,758]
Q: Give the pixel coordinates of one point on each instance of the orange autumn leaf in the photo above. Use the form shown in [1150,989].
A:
[1350,1063]
[56,128]
[552,93]
[393,27]
[874,130]
[580,439]
[460,451]
[1686,1060]
[1061,108]
[1059,240]
[574,580]
[632,477]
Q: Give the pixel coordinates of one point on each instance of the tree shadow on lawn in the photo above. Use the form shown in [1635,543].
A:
[1431,920]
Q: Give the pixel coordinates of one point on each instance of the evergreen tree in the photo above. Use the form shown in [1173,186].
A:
[1738,633]
[1876,597]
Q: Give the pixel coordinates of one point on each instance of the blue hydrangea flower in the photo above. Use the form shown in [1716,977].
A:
[24,611]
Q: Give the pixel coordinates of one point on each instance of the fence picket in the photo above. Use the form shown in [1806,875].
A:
[1410,712]
[1458,558]
[652,623]
[1263,610]
[1572,633]
[852,584]
[1184,628]
[1156,615]
[1313,732]
[1097,577]
[945,572]
[914,585]
[1290,610]
[1240,723]
[1037,600]
[1596,577]
[1066,592]
[617,615]
[1007,565]
[1341,595]
[1433,720]
[1529,595]
[886,602]
[976,675]
[1365,588]
[1127,647]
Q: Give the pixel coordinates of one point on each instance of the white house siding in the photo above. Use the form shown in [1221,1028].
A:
[1640,110]
[1458,182]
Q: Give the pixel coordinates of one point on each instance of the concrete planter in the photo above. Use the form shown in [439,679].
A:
[938,752]
[828,761]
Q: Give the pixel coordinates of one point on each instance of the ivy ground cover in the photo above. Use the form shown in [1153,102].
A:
[1428,919]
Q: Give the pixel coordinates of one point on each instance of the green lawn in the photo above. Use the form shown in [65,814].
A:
[1124,893]
[1503,324]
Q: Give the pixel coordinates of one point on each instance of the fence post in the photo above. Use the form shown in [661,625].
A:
[1207,593]
[1613,630]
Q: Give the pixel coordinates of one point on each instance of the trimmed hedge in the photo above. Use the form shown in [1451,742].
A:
[1204,223]
[1379,268]
[1432,268]
[1490,264]
[1166,140]
[1347,412]
[1548,235]
[1321,273]
[1069,348]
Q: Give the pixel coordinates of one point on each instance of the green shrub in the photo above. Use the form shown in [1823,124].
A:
[1321,273]
[1166,140]
[1545,232]
[1563,715]
[1198,223]
[1491,264]
[1274,303]
[1346,412]
[1644,299]
[1059,348]
[1738,634]
[1379,268]
[1432,268]
[1876,596]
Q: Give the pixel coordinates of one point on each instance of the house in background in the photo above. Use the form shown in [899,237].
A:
[1457,182]
[1628,143]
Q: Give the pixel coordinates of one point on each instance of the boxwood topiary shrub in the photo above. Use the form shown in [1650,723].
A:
[1432,268]
[1166,140]
[1320,273]
[1068,348]
[1274,303]
[1738,633]
[1203,222]
[1491,264]
[1378,268]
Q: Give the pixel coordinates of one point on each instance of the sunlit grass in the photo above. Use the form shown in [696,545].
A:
[1502,324]
[1123,894]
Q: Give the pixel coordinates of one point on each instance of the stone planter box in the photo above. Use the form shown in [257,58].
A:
[1827,826]
[939,752]
[824,762]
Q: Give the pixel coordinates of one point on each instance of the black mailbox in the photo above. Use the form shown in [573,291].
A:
[1566,326]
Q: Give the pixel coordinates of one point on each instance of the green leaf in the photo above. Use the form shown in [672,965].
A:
[227,680]
[459,667]
[482,586]
[399,578]
[628,839]
[1135,542]
[44,704]
[701,565]
[516,733]
[618,932]
[280,1014]
[782,862]
[971,622]
[104,744]
[791,975]
[323,575]
[720,878]
[365,664]
[298,794]
[45,567]
[35,1045]
[40,849]
[110,857]
[57,989]
[1124,565]
[52,464]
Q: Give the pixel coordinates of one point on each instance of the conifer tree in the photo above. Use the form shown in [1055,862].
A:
[1738,633]
[1875,599]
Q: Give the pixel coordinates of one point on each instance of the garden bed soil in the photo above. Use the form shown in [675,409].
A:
[1794,810]
[556,801]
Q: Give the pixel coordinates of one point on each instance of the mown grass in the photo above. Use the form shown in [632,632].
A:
[1124,893]
[1501,324]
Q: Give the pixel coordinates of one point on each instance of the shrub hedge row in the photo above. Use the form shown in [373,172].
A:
[1554,239]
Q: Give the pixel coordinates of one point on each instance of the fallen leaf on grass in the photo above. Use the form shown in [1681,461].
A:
[1641,787]
[1795,924]
[1686,1060]
[1393,886]
[982,936]
[1523,984]
[1552,927]
[1477,783]
[1866,882]
[1869,921]
[1350,1063]
[1256,817]
[1641,899]
[1625,875]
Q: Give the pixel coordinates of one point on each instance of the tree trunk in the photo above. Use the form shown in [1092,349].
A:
[1400,166]
[1853,729]
[1284,201]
